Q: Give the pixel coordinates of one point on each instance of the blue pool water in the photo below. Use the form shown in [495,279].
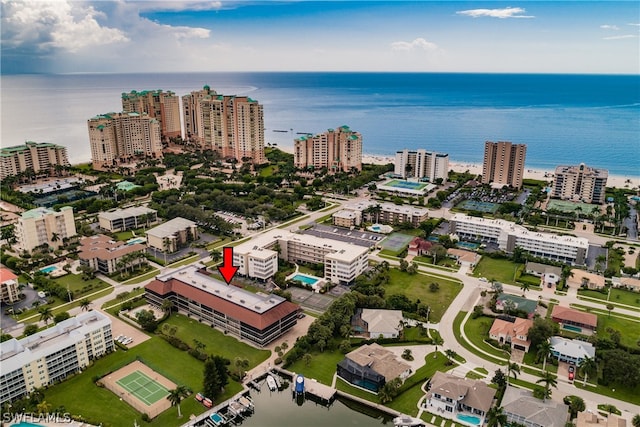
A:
[26,424]
[467,245]
[307,280]
[572,328]
[469,419]
[375,228]
[49,269]
[136,240]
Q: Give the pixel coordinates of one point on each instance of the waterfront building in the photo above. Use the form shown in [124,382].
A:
[513,333]
[520,406]
[105,255]
[172,235]
[503,163]
[376,323]
[157,104]
[571,351]
[456,398]
[509,235]
[338,150]
[38,157]
[580,184]
[257,318]
[576,320]
[353,214]
[421,164]
[343,261]
[42,226]
[118,138]
[371,366]
[50,355]
[232,126]
[9,291]
[127,219]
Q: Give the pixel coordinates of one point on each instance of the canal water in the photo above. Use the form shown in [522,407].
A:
[281,408]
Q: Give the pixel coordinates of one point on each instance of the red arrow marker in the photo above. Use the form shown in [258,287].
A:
[227,269]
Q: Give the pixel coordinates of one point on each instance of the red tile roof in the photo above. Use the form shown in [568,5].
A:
[235,311]
[560,314]
[6,275]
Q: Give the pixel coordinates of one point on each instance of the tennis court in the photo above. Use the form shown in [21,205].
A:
[144,388]
[478,206]
[570,207]
[396,242]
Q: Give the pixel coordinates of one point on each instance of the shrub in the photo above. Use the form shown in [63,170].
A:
[278,361]
[146,418]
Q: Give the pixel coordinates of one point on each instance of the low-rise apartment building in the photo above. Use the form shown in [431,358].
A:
[105,255]
[49,356]
[127,219]
[258,318]
[44,226]
[509,235]
[353,214]
[172,235]
[343,261]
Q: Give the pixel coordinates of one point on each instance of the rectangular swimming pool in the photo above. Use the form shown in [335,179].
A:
[48,269]
[307,280]
[469,419]
[572,328]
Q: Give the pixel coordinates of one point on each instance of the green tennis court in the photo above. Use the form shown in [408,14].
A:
[144,388]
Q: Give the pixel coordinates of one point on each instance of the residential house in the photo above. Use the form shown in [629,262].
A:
[452,397]
[590,419]
[574,320]
[375,323]
[630,283]
[419,246]
[464,257]
[514,333]
[571,351]
[518,303]
[107,256]
[549,274]
[584,279]
[521,407]
[9,291]
[172,235]
[371,366]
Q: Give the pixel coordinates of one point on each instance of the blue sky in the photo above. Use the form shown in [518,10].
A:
[64,36]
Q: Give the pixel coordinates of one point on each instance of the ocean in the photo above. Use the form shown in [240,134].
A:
[563,119]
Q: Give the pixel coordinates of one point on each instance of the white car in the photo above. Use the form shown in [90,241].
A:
[483,279]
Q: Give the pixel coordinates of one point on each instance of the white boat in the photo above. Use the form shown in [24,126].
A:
[407,421]
[246,402]
[271,383]
[236,407]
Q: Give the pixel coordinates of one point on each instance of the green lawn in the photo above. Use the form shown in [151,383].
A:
[188,329]
[530,359]
[631,395]
[456,330]
[620,296]
[629,329]
[79,394]
[80,287]
[417,287]
[321,367]
[501,270]
[477,330]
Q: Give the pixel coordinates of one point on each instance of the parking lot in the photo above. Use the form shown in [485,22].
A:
[357,237]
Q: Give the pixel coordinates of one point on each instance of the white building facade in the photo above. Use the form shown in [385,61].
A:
[44,226]
[422,164]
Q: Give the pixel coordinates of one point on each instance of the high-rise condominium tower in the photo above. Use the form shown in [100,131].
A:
[580,183]
[422,164]
[119,137]
[336,149]
[160,105]
[37,156]
[503,163]
[233,126]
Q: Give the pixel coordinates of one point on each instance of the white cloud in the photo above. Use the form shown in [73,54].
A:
[178,5]
[635,24]
[507,12]
[55,24]
[609,27]
[417,44]
[626,36]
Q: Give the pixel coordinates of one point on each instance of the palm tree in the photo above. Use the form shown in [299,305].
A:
[165,248]
[496,417]
[215,255]
[167,306]
[45,314]
[85,304]
[307,359]
[176,395]
[450,355]
[610,308]
[587,365]
[636,420]
[241,364]
[525,287]
[544,350]
[512,369]
[437,341]
[549,381]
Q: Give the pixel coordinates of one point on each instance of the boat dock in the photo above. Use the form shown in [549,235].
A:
[232,410]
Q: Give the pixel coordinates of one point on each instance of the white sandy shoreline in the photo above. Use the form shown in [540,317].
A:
[616,181]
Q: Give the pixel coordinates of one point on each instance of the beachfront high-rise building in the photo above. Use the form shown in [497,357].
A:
[42,226]
[503,163]
[157,104]
[422,164]
[580,183]
[336,149]
[36,156]
[120,137]
[232,126]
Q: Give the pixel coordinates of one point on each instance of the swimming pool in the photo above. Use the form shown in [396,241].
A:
[307,280]
[469,419]
[467,245]
[49,269]
[26,424]
[572,328]
[136,240]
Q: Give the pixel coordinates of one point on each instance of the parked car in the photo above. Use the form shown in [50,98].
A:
[572,372]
